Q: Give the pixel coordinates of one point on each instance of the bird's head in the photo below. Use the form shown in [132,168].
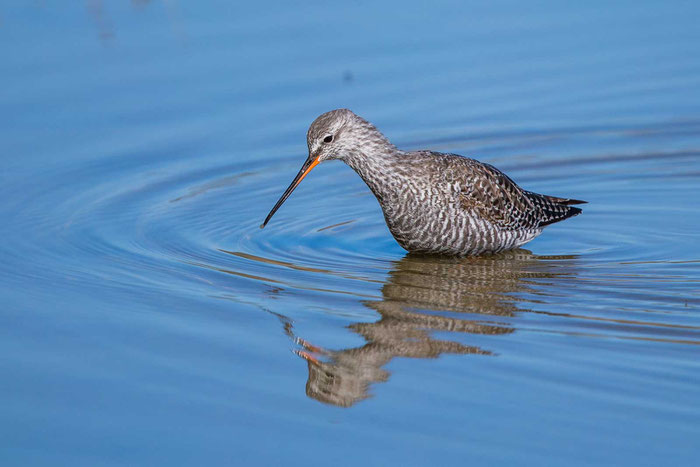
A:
[331,135]
[338,134]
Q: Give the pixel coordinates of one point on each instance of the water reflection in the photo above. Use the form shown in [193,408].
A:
[423,295]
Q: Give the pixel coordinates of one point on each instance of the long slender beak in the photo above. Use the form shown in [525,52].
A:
[310,163]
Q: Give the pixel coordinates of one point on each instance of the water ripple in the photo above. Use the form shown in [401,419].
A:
[191,229]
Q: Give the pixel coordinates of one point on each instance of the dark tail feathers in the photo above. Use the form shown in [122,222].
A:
[553,209]
[565,201]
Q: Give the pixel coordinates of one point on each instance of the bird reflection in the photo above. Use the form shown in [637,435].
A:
[423,295]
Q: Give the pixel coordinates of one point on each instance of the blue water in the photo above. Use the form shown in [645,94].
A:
[147,320]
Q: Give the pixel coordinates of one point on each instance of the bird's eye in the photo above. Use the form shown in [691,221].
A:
[328,139]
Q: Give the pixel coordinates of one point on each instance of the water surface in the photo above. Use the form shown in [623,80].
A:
[146,318]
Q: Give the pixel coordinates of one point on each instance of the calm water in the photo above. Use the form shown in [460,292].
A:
[147,320]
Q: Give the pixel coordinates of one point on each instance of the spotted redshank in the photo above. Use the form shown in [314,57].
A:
[432,202]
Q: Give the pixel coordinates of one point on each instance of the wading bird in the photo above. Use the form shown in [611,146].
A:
[432,202]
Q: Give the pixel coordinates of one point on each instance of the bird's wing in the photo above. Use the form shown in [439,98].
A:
[499,200]
[496,198]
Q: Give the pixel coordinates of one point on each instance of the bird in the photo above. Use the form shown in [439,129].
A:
[433,202]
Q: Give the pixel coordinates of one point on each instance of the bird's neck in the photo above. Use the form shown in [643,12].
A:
[375,164]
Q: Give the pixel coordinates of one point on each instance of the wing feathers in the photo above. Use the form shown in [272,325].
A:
[499,200]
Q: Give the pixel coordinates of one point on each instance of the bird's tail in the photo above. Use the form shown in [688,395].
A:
[565,201]
[554,209]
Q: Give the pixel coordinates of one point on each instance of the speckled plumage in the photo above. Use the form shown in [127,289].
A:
[433,202]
